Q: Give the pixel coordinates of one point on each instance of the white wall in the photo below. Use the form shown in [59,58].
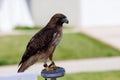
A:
[12,13]
[83,13]
[19,76]
[43,10]
[100,13]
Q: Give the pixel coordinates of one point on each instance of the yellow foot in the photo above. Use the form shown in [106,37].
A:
[54,67]
[49,69]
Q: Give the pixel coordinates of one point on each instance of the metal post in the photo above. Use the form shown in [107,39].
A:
[53,78]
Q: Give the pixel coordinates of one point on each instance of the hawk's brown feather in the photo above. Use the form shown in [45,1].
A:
[39,43]
[43,43]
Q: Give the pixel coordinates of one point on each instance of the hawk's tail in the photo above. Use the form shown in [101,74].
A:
[26,64]
[23,67]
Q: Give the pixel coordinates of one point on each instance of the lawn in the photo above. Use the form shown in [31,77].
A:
[113,75]
[72,46]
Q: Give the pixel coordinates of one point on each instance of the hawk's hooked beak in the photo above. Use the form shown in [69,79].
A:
[65,20]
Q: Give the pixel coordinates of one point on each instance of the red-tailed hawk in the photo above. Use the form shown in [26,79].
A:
[43,43]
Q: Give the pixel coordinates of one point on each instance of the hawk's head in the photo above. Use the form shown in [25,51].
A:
[59,19]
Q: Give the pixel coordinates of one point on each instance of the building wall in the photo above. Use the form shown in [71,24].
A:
[81,13]
[100,13]
[13,13]
[43,10]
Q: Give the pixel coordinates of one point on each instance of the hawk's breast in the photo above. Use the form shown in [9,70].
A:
[58,37]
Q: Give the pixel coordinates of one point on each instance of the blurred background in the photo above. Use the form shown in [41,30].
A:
[90,41]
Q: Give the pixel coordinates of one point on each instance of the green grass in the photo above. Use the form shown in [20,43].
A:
[37,27]
[27,28]
[113,75]
[72,46]
[82,46]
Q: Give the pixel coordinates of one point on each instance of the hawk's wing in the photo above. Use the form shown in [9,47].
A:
[39,43]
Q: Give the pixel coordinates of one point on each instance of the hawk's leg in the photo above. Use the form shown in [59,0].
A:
[47,68]
[53,66]
[52,63]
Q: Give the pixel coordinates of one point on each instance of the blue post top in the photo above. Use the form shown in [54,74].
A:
[59,72]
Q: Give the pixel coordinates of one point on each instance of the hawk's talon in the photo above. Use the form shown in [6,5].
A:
[49,69]
[51,64]
[45,65]
[54,67]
